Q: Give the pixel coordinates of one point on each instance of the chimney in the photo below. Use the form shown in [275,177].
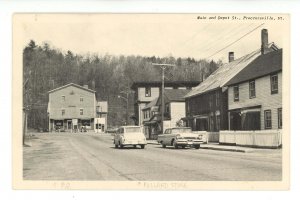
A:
[264,41]
[231,56]
[86,86]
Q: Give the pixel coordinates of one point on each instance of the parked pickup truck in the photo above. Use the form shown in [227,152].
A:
[180,136]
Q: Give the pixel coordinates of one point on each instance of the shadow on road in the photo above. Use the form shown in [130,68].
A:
[126,148]
[172,148]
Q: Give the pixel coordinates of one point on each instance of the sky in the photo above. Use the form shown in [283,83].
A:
[178,35]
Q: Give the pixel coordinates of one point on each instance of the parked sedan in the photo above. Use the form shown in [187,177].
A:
[129,135]
[180,137]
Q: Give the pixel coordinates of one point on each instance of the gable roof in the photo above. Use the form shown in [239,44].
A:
[264,65]
[71,84]
[226,72]
[175,95]
[151,104]
[171,95]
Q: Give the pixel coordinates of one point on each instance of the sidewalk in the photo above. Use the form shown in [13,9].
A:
[219,147]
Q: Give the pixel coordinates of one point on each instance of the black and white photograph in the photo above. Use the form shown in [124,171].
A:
[151,101]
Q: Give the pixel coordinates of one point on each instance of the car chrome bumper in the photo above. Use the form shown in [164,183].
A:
[191,143]
[134,142]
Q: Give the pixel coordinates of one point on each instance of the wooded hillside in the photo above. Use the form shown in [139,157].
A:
[46,68]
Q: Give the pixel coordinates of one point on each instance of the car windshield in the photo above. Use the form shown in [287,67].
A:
[181,130]
[133,130]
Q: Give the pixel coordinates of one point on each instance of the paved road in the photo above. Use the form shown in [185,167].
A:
[67,156]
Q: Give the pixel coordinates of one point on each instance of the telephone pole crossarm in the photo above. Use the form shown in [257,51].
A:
[163,67]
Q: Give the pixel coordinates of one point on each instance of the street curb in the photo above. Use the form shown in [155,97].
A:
[225,149]
[155,143]
[214,148]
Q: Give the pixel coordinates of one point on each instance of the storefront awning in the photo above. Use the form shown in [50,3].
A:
[244,111]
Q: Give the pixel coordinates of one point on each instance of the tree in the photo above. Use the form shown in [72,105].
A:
[45,68]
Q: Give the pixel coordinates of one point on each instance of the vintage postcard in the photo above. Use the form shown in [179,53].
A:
[151,101]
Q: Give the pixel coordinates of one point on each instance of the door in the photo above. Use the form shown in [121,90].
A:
[235,120]
[69,124]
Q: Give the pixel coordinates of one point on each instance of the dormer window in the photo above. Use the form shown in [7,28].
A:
[148,92]
[63,98]
[81,99]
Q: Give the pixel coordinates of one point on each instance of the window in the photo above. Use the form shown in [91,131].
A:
[268,119]
[279,117]
[81,99]
[63,98]
[217,98]
[236,93]
[252,89]
[274,84]
[81,111]
[148,92]
[167,110]
[63,112]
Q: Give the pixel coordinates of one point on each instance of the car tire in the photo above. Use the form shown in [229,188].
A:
[197,146]
[142,146]
[121,145]
[164,146]
[116,146]
[175,145]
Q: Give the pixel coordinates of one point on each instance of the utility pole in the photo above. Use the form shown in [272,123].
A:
[25,110]
[163,67]
[126,99]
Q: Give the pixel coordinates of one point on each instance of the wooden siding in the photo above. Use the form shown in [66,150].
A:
[141,114]
[263,97]
[177,111]
[205,104]
[142,97]
[72,103]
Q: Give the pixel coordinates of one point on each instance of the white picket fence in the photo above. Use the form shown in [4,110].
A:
[209,136]
[259,138]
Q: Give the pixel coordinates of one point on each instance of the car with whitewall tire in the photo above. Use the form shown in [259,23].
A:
[129,136]
[180,137]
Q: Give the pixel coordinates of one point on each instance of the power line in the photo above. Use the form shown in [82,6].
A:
[213,40]
[240,29]
[193,36]
[235,41]
[219,36]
